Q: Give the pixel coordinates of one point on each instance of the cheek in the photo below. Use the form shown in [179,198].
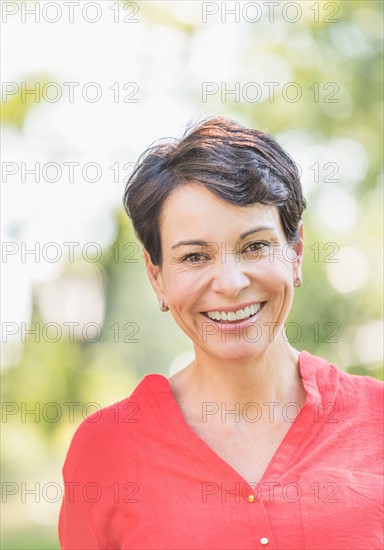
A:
[272,272]
[281,266]
[181,288]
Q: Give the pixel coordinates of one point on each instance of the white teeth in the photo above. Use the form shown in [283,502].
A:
[234,315]
[240,315]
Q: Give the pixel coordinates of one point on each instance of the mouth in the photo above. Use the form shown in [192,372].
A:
[235,317]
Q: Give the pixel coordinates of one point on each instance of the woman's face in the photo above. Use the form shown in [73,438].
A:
[227,274]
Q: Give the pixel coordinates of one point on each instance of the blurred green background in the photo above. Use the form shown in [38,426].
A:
[330,122]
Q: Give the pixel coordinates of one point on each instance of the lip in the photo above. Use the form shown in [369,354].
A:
[235,325]
[235,308]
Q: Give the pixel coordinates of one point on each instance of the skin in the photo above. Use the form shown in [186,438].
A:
[252,363]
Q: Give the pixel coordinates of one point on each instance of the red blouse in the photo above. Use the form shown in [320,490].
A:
[137,477]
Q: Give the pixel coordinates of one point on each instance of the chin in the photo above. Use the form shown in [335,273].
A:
[235,351]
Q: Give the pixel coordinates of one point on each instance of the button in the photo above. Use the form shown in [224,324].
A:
[251,498]
[264,541]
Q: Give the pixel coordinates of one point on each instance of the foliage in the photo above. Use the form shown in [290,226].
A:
[106,370]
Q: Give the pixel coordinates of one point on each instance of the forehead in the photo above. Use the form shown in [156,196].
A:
[192,211]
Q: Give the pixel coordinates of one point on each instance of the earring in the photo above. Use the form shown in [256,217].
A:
[162,306]
[297,282]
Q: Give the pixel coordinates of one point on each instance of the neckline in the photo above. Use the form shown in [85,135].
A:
[172,418]
[308,366]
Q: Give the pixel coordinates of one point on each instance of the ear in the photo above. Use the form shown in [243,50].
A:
[154,275]
[299,249]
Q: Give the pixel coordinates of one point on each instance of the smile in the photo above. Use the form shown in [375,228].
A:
[233,316]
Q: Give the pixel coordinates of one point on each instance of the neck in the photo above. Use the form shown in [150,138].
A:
[272,377]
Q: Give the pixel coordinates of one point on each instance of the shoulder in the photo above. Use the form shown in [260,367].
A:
[113,430]
[321,368]
[366,386]
[357,390]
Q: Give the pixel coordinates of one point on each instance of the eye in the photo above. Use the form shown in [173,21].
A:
[256,246]
[194,258]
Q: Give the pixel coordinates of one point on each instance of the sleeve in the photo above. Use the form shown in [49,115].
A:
[76,531]
[75,526]
[91,515]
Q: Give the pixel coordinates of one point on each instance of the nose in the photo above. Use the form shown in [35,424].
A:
[230,277]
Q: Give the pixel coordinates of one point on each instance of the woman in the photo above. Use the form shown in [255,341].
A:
[253,444]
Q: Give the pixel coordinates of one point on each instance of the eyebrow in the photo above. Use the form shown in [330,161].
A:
[200,242]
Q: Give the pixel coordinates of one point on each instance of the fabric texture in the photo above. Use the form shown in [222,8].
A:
[137,476]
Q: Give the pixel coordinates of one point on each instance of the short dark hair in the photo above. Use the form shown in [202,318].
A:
[240,165]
